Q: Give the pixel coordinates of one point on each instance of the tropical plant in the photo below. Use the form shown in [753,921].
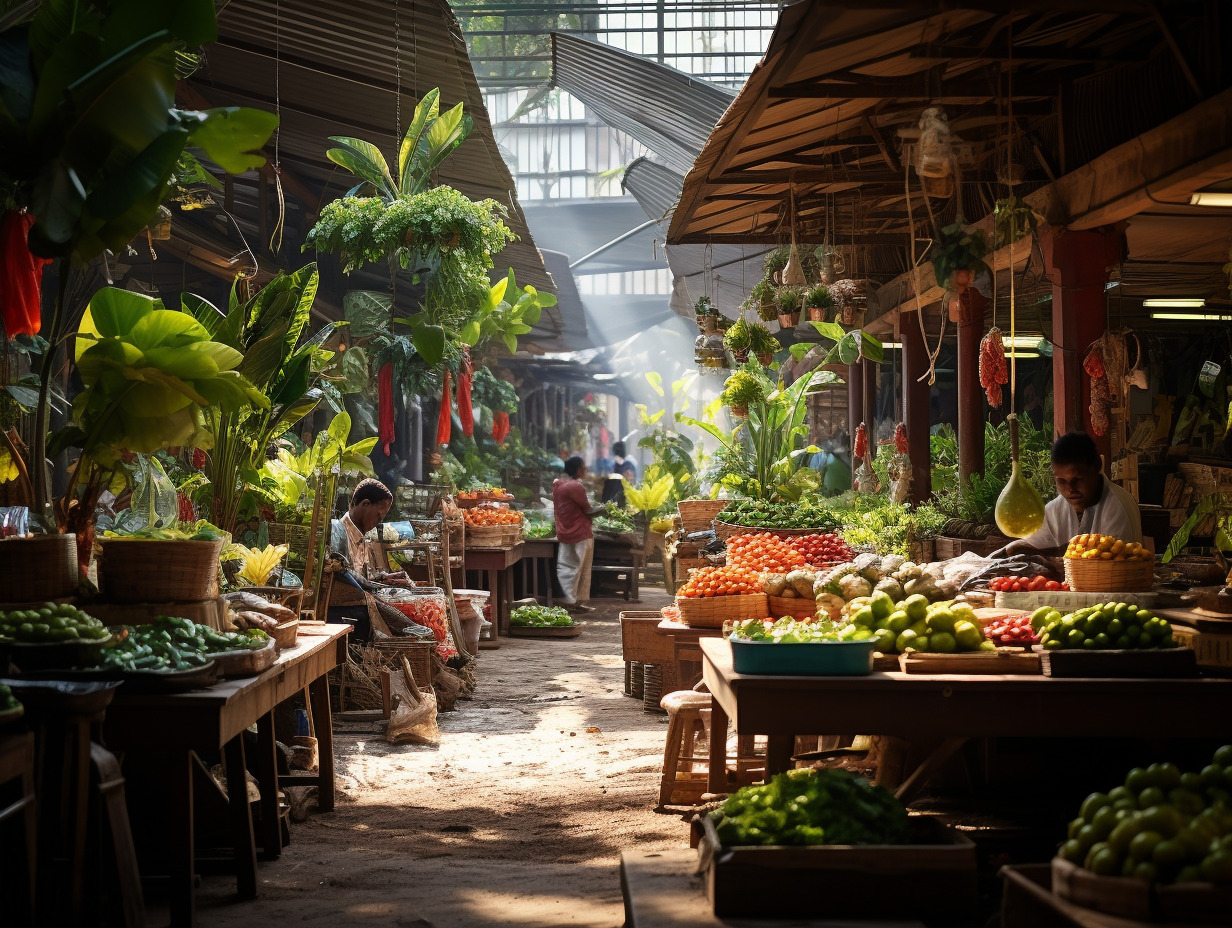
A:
[704,307]
[957,249]
[975,500]
[764,293]
[790,300]
[761,341]
[738,337]
[742,389]
[818,297]
[849,345]
[267,330]
[90,138]
[1218,505]
[1012,220]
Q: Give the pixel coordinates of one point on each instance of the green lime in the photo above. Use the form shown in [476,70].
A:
[1186,800]
[1075,638]
[922,643]
[1169,854]
[1216,867]
[1115,628]
[1162,819]
[1073,851]
[898,622]
[1152,796]
[1142,845]
[1146,872]
[1124,832]
[1052,644]
[1212,775]
[905,640]
[1137,780]
[944,643]
[1102,642]
[1103,860]
[1190,873]
[1075,826]
[1165,776]
[885,640]
[941,620]
[1223,757]
[1104,821]
[1120,792]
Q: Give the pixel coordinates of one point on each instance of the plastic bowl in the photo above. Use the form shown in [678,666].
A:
[815,659]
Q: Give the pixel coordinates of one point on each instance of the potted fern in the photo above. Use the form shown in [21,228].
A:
[738,339]
[741,389]
[764,295]
[790,299]
[818,302]
[957,256]
[763,344]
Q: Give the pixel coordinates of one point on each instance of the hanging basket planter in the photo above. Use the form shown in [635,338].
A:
[741,355]
[765,358]
[740,411]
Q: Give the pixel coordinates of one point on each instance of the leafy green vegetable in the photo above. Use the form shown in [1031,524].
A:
[540,617]
[182,531]
[793,631]
[804,807]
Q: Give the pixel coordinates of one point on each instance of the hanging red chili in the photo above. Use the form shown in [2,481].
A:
[993,370]
[861,444]
[385,406]
[465,376]
[900,438]
[500,427]
[21,276]
[443,424]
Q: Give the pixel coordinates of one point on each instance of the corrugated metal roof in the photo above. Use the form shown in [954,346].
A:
[670,112]
[655,186]
[331,68]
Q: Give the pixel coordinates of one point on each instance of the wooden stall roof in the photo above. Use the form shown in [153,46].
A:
[832,113]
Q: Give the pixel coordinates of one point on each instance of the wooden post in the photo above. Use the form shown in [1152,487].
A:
[855,404]
[971,305]
[1077,262]
[917,415]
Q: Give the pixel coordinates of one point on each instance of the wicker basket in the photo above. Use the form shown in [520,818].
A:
[637,679]
[418,654]
[211,612]
[697,514]
[793,606]
[713,611]
[140,571]
[725,530]
[297,538]
[493,536]
[1100,576]
[652,688]
[37,569]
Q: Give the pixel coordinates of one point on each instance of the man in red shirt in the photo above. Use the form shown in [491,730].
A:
[576,550]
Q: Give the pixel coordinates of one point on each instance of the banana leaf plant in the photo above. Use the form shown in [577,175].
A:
[774,436]
[293,373]
[153,377]
[90,137]
[1220,506]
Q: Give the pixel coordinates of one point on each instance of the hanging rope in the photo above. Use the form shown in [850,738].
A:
[931,374]
[275,242]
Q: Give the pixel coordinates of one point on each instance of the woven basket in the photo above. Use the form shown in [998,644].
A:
[493,536]
[297,538]
[211,612]
[423,500]
[793,606]
[697,514]
[637,679]
[140,571]
[713,611]
[37,569]
[417,653]
[725,530]
[1100,576]
[652,688]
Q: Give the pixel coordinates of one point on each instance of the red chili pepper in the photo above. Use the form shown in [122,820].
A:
[21,276]
[443,424]
[465,412]
[385,405]
[500,427]
[861,444]
[900,438]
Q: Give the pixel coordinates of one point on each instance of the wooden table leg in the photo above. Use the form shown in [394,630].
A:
[267,780]
[242,840]
[507,596]
[323,725]
[180,837]
[498,605]
[717,775]
[79,754]
[911,787]
[778,754]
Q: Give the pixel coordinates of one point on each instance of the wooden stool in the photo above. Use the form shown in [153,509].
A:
[17,769]
[110,785]
[688,741]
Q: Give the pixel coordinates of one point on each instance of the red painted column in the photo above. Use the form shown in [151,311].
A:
[917,414]
[971,306]
[855,403]
[1077,263]
[870,405]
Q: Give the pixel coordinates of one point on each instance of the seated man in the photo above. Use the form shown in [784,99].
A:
[369,505]
[1086,502]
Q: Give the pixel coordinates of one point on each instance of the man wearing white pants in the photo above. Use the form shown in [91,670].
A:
[575,535]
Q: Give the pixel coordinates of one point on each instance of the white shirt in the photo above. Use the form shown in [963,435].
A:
[356,549]
[1115,514]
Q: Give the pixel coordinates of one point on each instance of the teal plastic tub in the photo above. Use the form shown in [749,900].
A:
[816,659]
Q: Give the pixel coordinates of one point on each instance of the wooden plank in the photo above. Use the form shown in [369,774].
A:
[1003,660]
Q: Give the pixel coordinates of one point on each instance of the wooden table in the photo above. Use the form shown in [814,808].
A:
[498,564]
[686,649]
[952,707]
[534,551]
[661,891]
[177,725]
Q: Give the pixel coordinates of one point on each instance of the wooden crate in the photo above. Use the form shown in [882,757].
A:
[1211,650]
[932,879]
[1002,660]
[1203,903]
[1147,663]
[640,639]
[945,547]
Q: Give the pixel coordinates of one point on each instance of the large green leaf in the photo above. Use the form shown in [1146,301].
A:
[294,412]
[340,428]
[292,381]
[134,183]
[115,312]
[184,361]
[205,312]
[266,357]
[232,136]
[354,369]
[166,328]
[157,378]
[367,311]
[191,21]
[57,200]
[444,135]
[365,161]
[231,391]
[429,341]
[425,111]
[58,19]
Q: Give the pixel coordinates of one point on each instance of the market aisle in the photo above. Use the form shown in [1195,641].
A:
[518,818]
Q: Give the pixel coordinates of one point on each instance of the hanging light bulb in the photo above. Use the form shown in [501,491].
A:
[793,273]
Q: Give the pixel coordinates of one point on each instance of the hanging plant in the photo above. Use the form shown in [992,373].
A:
[958,256]
[818,300]
[1012,221]
[738,340]
[764,294]
[790,299]
[742,390]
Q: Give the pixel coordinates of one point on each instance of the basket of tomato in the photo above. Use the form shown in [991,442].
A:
[713,595]
[492,526]
[1037,584]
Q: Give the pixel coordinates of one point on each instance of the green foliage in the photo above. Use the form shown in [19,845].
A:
[976,501]
[743,335]
[849,346]
[818,297]
[1218,503]
[743,389]
[790,299]
[1013,220]
[956,249]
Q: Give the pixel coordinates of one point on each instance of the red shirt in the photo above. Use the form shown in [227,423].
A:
[572,507]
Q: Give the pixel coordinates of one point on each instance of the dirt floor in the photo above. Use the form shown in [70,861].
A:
[518,818]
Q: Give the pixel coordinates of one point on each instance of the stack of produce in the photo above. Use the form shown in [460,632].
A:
[798,584]
[795,631]
[1161,826]
[1038,583]
[1104,626]
[538,525]
[914,624]
[823,550]
[892,574]
[169,644]
[806,807]
[51,623]
[491,515]
[540,617]
[764,514]
[759,551]
[720,581]
[1106,548]
[1011,631]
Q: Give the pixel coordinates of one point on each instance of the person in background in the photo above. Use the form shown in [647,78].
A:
[1086,502]
[622,467]
[576,537]
[348,538]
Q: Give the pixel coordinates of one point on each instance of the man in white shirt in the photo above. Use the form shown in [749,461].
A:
[1086,501]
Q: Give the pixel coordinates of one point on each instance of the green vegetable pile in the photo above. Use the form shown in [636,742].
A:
[183,531]
[8,702]
[1161,826]
[537,525]
[169,643]
[791,631]
[803,807]
[764,514]
[1104,626]
[615,520]
[914,624]
[51,623]
[540,617]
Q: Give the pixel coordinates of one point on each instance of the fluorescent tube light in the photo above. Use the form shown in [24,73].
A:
[1211,198]
[1022,341]
[1191,317]
[892,346]
[1024,354]
[1171,303]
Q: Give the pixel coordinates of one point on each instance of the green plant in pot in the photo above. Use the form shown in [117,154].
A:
[763,345]
[790,299]
[702,309]
[741,390]
[775,262]
[764,295]
[958,256]
[738,339]
[818,301]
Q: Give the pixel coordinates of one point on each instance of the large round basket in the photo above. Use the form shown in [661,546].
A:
[696,515]
[725,530]
[713,611]
[37,569]
[141,571]
[493,536]
[1099,576]
[793,606]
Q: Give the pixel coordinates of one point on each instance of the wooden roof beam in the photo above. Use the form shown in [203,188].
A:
[773,238]
[1029,54]
[913,88]
[891,159]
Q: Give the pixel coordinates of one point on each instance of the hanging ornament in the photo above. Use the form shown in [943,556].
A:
[466,412]
[1020,509]
[444,426]
[993,370]
[861,442]
[385,406]
[21,276]
[793,273]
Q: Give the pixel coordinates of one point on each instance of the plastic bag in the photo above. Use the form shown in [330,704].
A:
[154,502]
[412,720]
